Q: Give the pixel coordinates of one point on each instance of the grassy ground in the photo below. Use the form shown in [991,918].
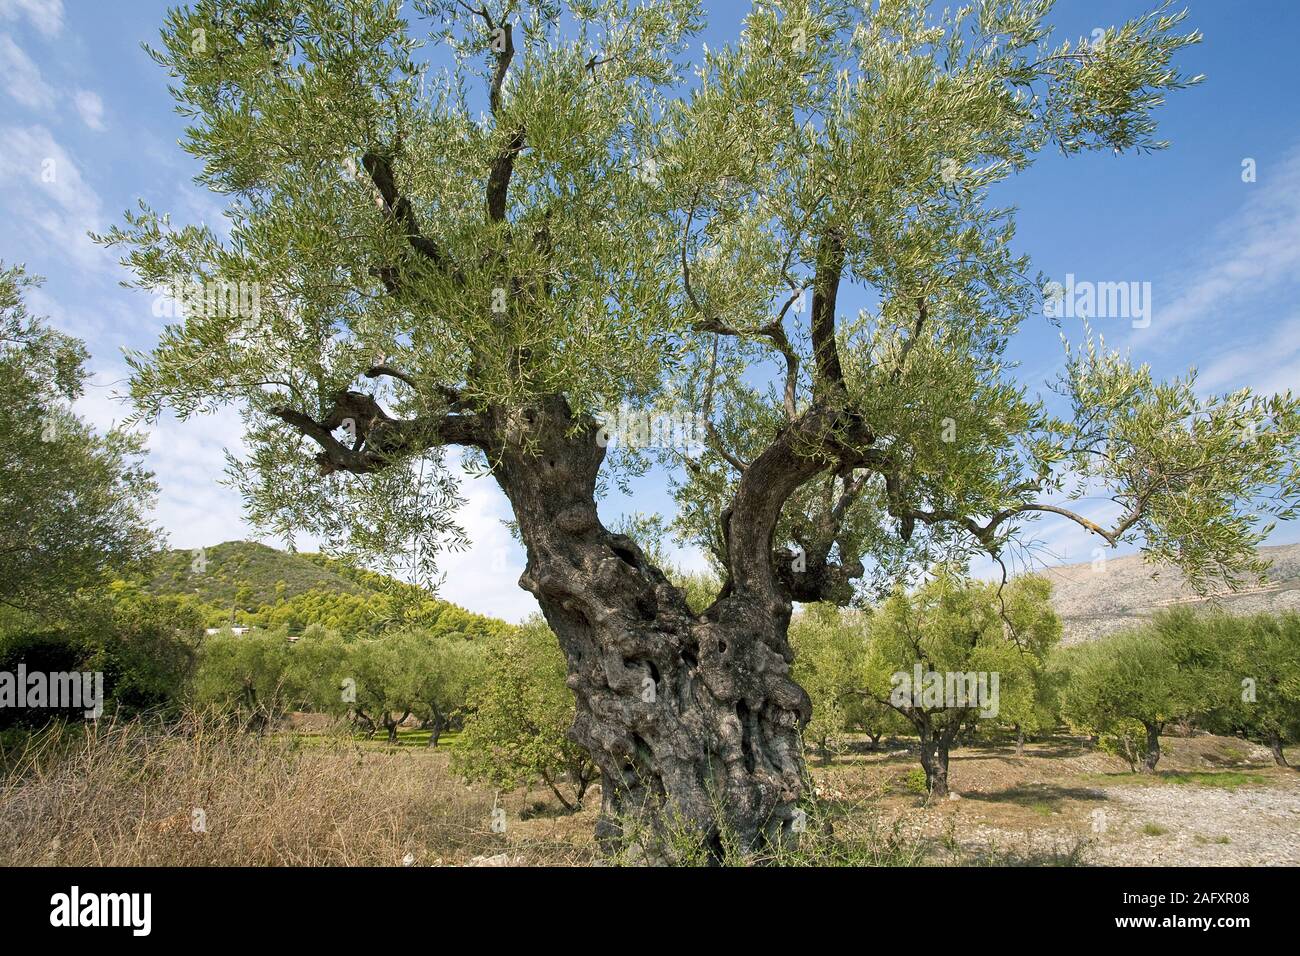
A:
[203,795]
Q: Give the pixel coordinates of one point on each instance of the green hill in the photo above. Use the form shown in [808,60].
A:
[245,573]
[250,583]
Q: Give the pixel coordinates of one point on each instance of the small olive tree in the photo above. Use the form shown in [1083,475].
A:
[1126,688]
[318,670]
[448,669]
[247,675]
[516,730]
[1261,679]
[830,649]
[387,674]
[952,651]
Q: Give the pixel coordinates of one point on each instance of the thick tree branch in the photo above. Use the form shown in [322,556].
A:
[503,167]
[826,285]
[384,369]
[452,396]
[810,575]
[379,438]
[800,451]
[504,55]
[398,208]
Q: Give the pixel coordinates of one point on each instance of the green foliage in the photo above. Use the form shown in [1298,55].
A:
[385,681]
[48,651]
[830,650]
[75,501]
[316,669]
[267,588]
[914,781]
[144,647]
[951,626]
[379,681]
[1261,692]
[413,672]
[651,231]
[453,668]
[700,587]
[1127,688]
[147,649]
[515,732]
[247,675]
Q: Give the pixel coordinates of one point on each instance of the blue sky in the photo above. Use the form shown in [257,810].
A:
[78,95]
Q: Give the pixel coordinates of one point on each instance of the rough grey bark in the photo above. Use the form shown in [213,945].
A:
[935,747]
[692,719]
[435,724]
[391,725]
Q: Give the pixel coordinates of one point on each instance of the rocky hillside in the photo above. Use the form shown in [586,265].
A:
[1095,602]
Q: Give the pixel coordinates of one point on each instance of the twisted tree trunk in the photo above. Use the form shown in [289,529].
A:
[692,719]
[935,746]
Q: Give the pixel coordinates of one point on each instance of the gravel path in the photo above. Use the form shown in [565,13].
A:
[1261,825]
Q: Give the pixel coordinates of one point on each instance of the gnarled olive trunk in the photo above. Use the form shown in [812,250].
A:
[1275,745]
[692,719]
[1152,756]
[935,747]
[391,725]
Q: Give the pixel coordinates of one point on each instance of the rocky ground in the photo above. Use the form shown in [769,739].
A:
[1214,802]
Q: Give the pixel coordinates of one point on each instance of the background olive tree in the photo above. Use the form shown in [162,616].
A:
[1128,688]
[518,717]
[75,501]
[954,626]
[1259,681]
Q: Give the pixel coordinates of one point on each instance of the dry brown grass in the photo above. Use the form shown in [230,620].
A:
[126,794]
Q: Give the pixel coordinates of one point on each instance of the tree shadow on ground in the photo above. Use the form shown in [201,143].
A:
[994,750]
[1037,794]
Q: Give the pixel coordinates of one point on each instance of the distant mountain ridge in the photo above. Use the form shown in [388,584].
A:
[1125,591]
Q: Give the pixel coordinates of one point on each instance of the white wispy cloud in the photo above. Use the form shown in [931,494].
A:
[485,579]
[45,197]
[1252,258]
[90,108]
[45,15]
[1269,363]
[187,459]
[22,77]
